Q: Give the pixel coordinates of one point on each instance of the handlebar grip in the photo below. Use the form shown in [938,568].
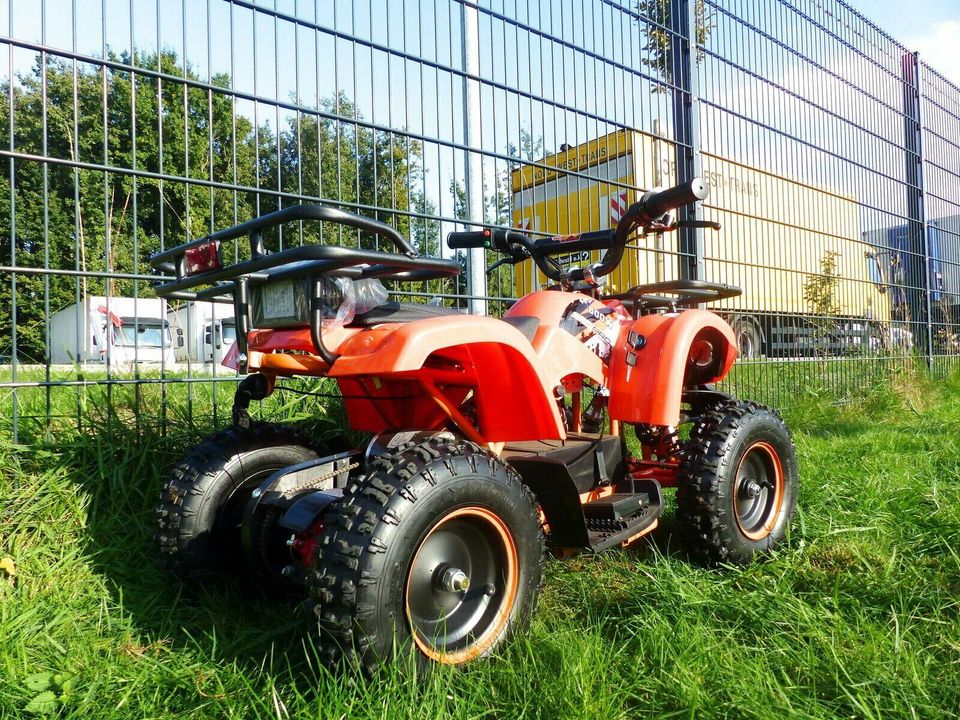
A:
[471,239]
[655,204]
[491,238]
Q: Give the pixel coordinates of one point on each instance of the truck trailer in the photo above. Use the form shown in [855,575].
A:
[203,332]
[114,330]
[777,236]
[897,255]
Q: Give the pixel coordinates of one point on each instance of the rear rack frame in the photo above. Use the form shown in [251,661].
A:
[306,260]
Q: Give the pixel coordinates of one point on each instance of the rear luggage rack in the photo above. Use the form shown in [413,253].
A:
[310,262]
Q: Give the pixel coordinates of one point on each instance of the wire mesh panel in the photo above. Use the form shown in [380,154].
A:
[940,116]
[135,125]
[810,141]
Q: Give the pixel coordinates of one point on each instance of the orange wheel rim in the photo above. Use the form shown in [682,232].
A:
[461,585]
[758,491]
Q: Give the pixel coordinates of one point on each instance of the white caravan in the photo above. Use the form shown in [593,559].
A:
[115,330]
[203,331]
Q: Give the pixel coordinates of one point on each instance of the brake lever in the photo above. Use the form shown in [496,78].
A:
[709,224]
[658,227]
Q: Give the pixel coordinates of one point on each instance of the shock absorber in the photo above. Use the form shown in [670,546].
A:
[658,441]
[593,417]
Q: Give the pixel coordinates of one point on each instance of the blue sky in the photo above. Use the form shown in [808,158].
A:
[931,27]
[276,60]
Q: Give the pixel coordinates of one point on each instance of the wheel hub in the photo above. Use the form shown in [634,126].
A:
[759,491]
[453,580]
[751,488]
[461,584]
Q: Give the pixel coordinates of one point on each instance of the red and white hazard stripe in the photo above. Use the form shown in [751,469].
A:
[618,206]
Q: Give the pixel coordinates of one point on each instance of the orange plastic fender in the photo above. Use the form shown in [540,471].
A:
[513,400]
[560,354]
[647,380]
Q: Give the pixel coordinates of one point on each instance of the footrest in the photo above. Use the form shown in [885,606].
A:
[615,508]
[616,518]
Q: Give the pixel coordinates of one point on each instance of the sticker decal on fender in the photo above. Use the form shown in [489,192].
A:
[596,325]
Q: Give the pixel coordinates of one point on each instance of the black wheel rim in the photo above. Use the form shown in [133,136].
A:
[758,491]
[462,585]
[227,528]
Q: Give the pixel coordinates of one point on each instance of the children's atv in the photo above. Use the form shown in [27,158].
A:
[492,440]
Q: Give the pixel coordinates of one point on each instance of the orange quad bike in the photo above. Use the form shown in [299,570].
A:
[491,440]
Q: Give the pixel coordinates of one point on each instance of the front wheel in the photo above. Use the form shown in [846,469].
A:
[737,490]
[437,548]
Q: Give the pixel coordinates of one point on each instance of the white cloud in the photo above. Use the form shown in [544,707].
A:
[940,48]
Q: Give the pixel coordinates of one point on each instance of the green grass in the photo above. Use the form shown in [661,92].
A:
[859,616]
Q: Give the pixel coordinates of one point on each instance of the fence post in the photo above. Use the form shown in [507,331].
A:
[476,257]
[686,127]
[917,232]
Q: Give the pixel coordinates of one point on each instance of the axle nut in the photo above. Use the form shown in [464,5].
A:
[455,580]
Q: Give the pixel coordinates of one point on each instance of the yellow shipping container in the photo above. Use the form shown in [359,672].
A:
[774,231]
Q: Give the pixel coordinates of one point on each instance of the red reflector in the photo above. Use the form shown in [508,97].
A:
[202,258]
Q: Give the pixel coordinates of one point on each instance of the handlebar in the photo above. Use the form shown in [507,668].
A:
[646,212]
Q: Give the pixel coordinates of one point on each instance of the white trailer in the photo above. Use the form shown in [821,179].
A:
[203,331]
[115,330]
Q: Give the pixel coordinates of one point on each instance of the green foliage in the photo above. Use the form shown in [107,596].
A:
[820,294]
[856,617]
[52,691]
[820,289]
[99,221]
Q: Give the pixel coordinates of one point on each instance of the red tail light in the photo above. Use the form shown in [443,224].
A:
[202,258]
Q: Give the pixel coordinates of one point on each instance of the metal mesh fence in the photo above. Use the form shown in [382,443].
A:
[939,116]
[134,125]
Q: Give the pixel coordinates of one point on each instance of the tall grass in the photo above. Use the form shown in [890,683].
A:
[858,616]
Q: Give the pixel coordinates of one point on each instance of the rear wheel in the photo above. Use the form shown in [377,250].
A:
[438,547]
[737,490]
[201,507]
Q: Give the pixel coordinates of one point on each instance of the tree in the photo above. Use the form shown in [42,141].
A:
[659,38]
[820,294]
[96,221]
[342,160]
[71,218]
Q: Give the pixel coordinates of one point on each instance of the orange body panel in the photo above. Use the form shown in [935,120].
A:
[559,354]
[650,391]
[483,375]
[388,375]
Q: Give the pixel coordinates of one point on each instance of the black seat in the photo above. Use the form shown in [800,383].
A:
[396,312]
[526,324]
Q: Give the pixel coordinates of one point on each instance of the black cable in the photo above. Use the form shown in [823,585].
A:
[335,396]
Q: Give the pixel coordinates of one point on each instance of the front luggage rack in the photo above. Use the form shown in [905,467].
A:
[672,294]
[218,283]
